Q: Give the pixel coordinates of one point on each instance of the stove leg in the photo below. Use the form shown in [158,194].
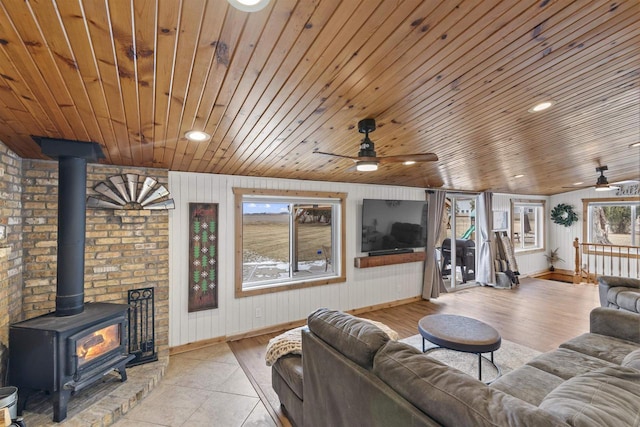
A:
[122,369]
[60,401]
[23,395]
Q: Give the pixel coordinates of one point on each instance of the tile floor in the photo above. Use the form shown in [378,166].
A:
[205,387]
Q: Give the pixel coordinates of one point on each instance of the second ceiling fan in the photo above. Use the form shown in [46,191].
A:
[367,160]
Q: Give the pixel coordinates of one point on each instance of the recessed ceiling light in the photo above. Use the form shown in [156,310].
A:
[409,162]
[196,135]
[635,144]
[518,176]
[541,106]
[578,183]
[249,5]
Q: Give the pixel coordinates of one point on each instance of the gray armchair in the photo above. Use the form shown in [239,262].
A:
[619,292]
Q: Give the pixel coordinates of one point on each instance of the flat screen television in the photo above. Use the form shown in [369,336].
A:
[393,225]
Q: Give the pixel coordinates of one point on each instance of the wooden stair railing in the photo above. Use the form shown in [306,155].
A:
[597,259]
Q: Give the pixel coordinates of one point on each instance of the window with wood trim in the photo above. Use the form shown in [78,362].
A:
[612,221]
[528,225]
[288,240]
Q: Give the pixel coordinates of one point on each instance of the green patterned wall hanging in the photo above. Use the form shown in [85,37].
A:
[203,256]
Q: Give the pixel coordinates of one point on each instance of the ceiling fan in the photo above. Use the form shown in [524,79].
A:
[602,184]
[368,161]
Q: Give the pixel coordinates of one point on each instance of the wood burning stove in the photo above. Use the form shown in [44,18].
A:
[71,348]
[62,355]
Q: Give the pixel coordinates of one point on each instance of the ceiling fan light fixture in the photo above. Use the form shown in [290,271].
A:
[249,5]
[541,106]
[197,135]
[367,160]
[606,187]
[603,183]
[367,166]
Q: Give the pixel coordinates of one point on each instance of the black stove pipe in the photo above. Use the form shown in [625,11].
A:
[72,184]
[72,159]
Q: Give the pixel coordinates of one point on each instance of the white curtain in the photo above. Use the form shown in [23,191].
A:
[432,277]
[486,249]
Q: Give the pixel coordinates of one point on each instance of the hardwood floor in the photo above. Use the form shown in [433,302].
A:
[540,314]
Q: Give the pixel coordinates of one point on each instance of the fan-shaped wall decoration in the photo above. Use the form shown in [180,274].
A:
[128,191]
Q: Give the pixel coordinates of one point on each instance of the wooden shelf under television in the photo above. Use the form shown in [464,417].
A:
[379,260]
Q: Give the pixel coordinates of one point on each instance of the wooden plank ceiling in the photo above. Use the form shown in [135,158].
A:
[455,78]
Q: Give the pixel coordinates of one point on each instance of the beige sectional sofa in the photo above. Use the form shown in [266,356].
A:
[352,374]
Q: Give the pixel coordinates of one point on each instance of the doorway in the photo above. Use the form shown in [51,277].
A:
[458,241]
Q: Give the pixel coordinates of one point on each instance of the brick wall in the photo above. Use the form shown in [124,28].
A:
[125,249]
[10,248]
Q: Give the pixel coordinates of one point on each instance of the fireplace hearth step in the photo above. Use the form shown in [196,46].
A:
[104,403]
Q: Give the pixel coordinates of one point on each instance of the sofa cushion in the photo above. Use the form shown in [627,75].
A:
[603,347]
[632,360]
[357,339]
[566,363]
[604,397]
[616,323]
[449,396]
[289,368]
[528,383]
[624,297]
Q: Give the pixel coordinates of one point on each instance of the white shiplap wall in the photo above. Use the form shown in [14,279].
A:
[528,263]
[558,236]
[364,287]
[562,237]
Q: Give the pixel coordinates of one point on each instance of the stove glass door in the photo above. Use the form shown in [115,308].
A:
[98,343]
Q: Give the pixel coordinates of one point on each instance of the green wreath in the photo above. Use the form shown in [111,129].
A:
[564,215]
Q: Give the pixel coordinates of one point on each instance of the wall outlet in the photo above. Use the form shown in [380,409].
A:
[259,312]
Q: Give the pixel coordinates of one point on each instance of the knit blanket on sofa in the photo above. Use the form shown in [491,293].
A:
[290,342]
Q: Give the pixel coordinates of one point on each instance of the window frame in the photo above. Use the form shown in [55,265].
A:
[542,205]
[239,196]
[585,220]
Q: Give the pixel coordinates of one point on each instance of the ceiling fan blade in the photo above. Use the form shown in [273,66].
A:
[425,157]
[355,159]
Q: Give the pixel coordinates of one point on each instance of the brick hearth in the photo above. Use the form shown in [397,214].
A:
[103,403]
